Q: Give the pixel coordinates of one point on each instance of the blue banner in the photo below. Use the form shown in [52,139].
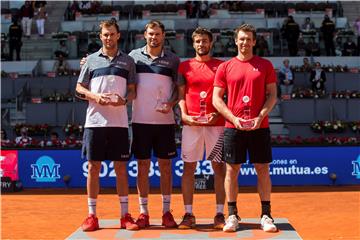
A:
[290,166]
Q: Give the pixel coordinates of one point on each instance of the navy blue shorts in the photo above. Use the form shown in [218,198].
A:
[106,143]
[256,143]
[157,137]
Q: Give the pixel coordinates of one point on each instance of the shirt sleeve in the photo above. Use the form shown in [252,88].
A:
[132,72]
[271,76]
[220,77]
[84,76]
[176,68]
[181,78]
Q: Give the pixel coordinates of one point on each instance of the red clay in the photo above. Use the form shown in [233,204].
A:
[315,213]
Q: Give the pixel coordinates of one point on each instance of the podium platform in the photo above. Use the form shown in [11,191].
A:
[249,228]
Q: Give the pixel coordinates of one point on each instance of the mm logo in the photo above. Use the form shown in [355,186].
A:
[356,168]
[45,170]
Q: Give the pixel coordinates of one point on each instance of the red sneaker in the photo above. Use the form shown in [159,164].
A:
[91,223]
[168,220]
[128,223]
[188,221]
[219,221]
[143,221]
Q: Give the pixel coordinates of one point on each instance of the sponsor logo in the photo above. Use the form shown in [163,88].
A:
[118,63]
[356,168]
[164,62]
[171,153]
[45,170]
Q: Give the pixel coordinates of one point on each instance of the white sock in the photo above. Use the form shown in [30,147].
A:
[219,208]
[143,202]
[166,203]
[92,205]
[188,209]
[124,205]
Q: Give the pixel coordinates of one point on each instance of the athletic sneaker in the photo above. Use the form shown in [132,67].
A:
[168,220]
[128,223]
[187,222]
[91,223]
[231,224]
[219,221]
[143,221]
[267,224]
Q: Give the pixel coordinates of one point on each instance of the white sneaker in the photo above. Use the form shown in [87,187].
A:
[231,224]
[267,224]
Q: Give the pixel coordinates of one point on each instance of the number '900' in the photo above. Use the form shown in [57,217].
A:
[107,169]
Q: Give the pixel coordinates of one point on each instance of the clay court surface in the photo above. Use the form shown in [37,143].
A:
[314,212]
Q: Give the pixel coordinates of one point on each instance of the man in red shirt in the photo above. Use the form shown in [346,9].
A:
[203,125]
[250,84]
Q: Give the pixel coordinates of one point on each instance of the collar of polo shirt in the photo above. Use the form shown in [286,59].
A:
[101,54]
[144,51]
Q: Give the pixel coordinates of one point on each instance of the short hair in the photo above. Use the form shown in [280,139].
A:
[245,28]
[202,31]
[109,23]
[155,23]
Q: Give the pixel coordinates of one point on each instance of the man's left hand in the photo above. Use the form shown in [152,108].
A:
[257,123]
[212,118]
[166,107]
[117,100]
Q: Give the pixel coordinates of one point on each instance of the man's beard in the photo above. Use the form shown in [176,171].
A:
[203,53]
[154,45]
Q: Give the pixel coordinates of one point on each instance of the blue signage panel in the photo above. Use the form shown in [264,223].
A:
[47,168]
[310,166]
[290,166]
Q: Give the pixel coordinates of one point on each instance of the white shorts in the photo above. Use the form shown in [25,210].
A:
[195,138]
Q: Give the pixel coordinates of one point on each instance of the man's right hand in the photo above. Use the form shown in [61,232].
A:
[103,98]
[190,120]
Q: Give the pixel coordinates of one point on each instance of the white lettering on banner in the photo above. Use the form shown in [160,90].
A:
[5,184]
[293,170]
[205,168]
[103,172]
[133,172]
[208,169]
[179,168]
[112,172]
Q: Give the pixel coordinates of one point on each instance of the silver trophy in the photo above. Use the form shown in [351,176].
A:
[160,101]
[202,116]
[114,98]
[246,121]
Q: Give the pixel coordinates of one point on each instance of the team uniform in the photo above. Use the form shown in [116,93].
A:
[156,81]
[251,81]
[106,127]
[197,77]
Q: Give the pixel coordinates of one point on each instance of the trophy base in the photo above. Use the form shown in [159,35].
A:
[247,124]
[114,98]
[202,119]
[160,106]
